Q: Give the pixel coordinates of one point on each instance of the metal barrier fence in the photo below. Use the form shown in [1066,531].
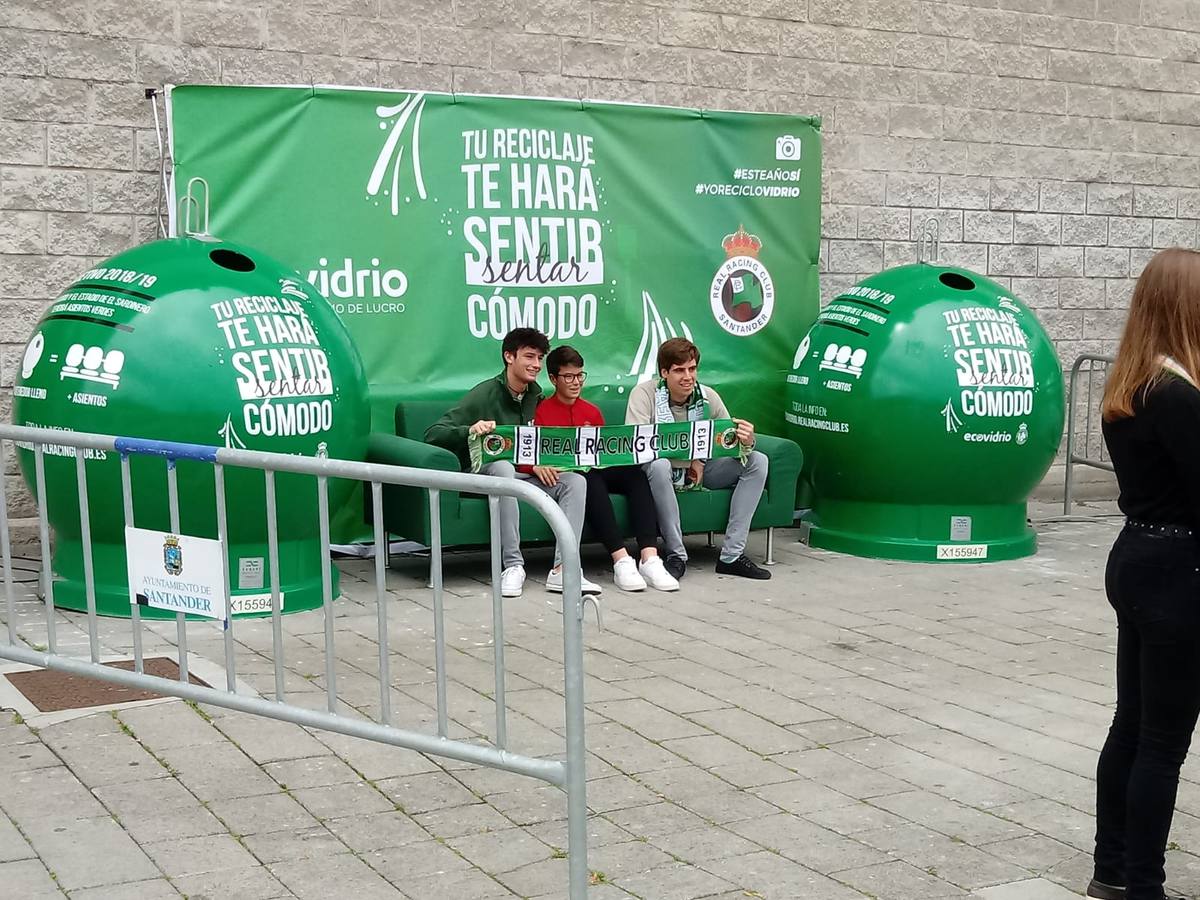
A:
[567,774]
[1088,366]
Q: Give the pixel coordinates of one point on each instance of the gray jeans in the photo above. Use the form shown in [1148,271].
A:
[749,479]
[570,494]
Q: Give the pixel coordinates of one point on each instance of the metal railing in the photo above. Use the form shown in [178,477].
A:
[1089,366]
[567,773]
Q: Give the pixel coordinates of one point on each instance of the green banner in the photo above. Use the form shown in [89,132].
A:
[606,445]
[434,223]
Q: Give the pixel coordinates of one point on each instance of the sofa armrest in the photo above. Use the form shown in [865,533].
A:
[393,450]
[779,497]
[406,508]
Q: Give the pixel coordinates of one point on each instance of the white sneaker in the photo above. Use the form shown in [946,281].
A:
[554,583]
[512,581]
[626,576]
[656,575]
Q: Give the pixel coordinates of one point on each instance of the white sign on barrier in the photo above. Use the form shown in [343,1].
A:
[176,572]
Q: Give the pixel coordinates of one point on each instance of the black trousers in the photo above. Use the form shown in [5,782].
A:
[1153,584]
[630,481]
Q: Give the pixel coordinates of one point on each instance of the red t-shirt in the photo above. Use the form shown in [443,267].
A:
[552,411]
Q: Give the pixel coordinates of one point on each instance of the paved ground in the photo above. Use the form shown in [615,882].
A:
[851,729]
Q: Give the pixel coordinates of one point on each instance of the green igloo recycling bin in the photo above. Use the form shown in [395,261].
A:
[929,404]
[196,341]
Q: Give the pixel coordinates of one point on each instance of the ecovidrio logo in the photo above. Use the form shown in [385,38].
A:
[742,294]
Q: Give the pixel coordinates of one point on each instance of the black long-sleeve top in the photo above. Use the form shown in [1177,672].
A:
[1156,454]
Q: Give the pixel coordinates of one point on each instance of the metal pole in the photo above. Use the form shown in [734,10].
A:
[223,536]
[6,543]
[576,786]
[439,622]
[385,676]
[327,593]
[39,469]
[1071,395]
[497,624]
[770,561]
[180,618]
[85,537]
[135,611]
[273,563]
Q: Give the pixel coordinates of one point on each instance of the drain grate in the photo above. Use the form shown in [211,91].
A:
[51,691]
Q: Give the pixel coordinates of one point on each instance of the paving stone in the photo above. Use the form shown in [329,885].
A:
[772,876]
[333,876]
[155,889]
[253,883]
[501,851]
[158,809]
[673,882]
[422,793]
[473,883]
[701,845]
[168,725]
[271,847]
[28,878]
[199,855]
[218,772]
[900,880]
[312,771]
[1031,889]
[251,815]
[425,858]
[338,800]
[71,849]
[374,832]
[12,845]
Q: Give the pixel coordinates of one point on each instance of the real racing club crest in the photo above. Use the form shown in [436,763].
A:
[742,293]
[172,555]
[494,444]
[728,438]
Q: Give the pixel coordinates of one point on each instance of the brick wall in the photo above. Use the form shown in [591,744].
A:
[1056,141]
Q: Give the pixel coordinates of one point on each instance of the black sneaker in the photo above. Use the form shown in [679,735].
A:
[1102,891]
[743,567]
[675,566]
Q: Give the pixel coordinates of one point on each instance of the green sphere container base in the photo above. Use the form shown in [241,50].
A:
[915,533]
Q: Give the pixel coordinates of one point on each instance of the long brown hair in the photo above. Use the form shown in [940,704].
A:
[1164,320]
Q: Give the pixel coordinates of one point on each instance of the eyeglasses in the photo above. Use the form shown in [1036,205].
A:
[573,377]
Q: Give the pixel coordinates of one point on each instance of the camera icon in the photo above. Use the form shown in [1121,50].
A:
[787,147]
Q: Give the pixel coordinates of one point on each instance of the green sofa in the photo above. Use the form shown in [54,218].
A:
[465,516]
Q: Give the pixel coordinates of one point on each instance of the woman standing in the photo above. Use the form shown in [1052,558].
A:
[1152,429]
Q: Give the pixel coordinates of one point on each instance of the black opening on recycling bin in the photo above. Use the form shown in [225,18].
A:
[231,259]
[956,281]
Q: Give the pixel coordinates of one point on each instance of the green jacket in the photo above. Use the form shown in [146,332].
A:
[489,399]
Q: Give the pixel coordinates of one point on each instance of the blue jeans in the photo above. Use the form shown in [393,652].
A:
[1153,584]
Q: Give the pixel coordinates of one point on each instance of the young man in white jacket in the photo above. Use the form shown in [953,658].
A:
[678,396]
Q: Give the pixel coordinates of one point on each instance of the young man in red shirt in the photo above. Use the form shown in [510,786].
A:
[566,408]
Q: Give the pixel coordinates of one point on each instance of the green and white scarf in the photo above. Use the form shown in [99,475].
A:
[607,445]
[697,406]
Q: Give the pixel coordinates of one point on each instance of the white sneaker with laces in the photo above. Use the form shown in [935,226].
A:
[626,576]
[656,574]
[554,583]
[512,581]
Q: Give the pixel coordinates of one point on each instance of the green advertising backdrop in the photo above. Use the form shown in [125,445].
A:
[434,223]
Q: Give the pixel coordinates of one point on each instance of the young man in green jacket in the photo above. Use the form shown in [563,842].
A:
[511,399]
